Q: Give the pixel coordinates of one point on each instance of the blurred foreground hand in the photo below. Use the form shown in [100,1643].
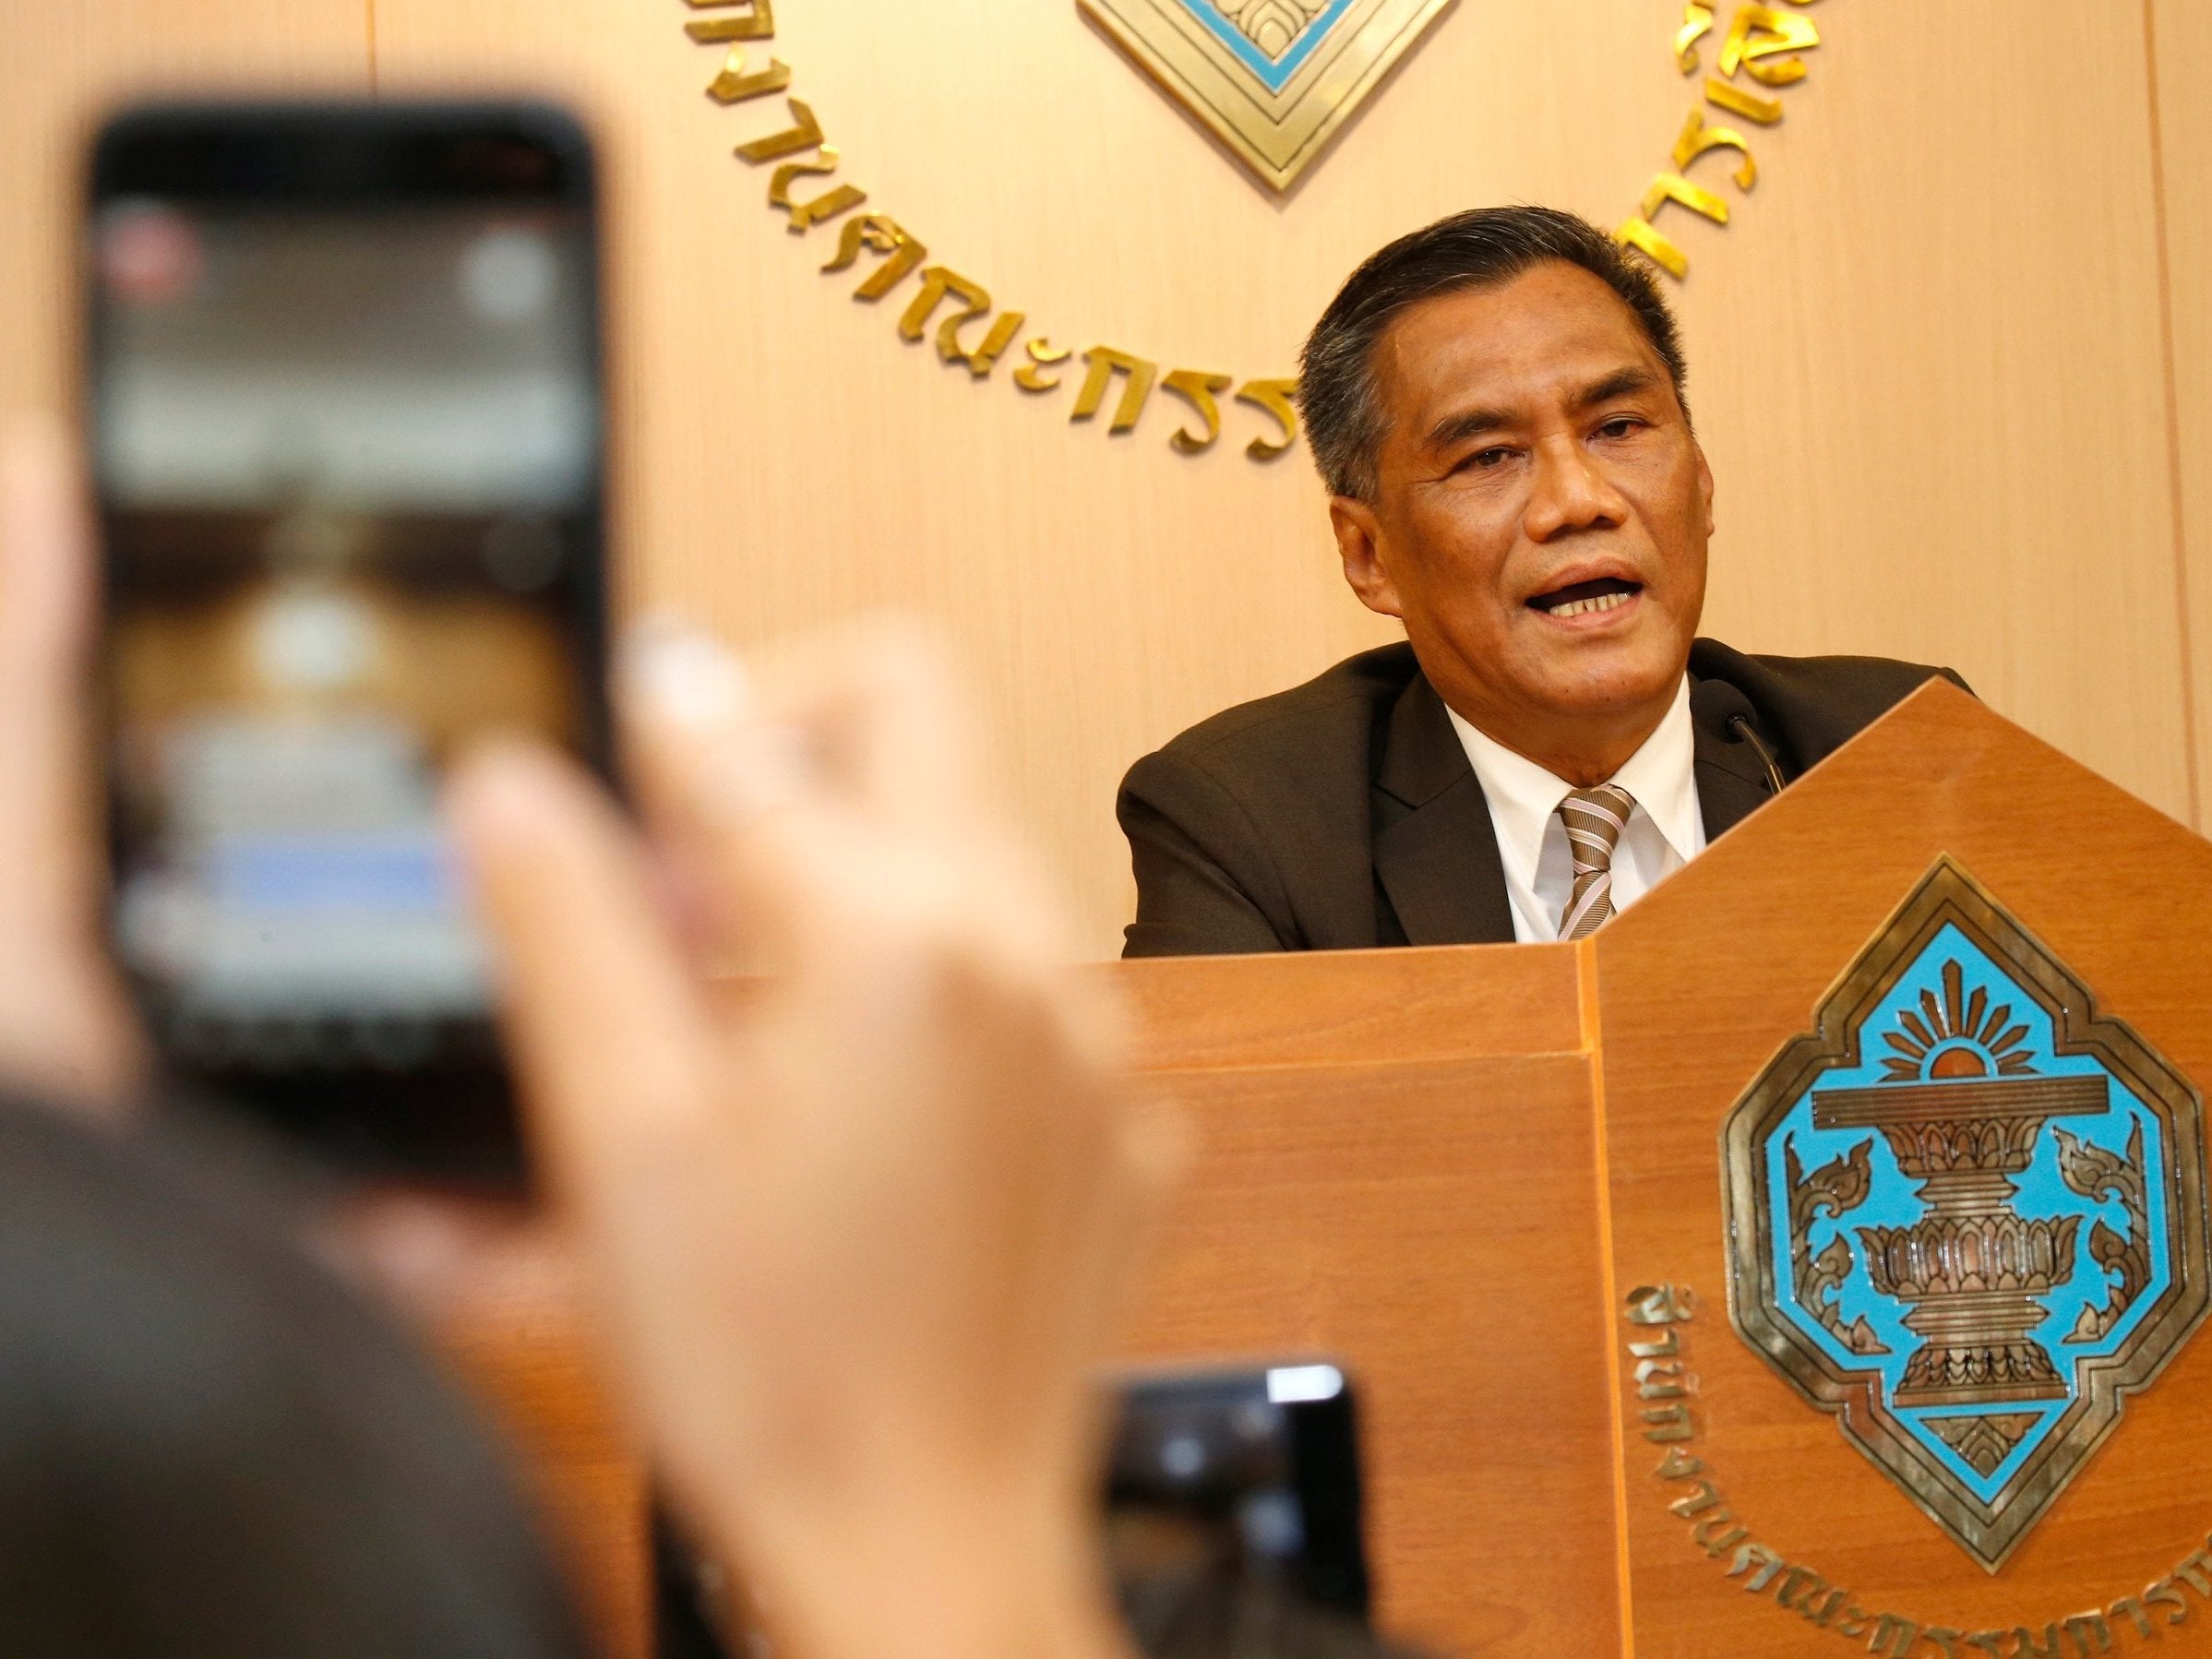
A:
[862,1235]
[66,1032]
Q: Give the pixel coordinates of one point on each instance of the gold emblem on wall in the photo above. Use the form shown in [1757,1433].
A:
[1273,80]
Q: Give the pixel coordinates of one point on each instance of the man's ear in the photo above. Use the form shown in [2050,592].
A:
[1359,545]
[1705,484]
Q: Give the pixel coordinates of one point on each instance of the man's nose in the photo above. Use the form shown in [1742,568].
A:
[1570,493]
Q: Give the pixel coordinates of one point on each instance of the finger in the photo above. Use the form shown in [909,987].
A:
[63,1021]
[704,768]
[804,812]
[888,723]
[604,1030]
[44,582]
[47,549]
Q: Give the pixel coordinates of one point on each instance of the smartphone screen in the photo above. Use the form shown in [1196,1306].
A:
[345,412]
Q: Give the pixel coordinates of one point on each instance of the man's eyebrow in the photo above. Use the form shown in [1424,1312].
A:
[1469,422]
[1621,383]
[1473,423]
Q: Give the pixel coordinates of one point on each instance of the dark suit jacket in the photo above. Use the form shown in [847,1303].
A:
[1343,814]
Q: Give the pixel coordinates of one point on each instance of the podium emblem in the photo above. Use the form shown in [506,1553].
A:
[1967,1215]
[1273,80]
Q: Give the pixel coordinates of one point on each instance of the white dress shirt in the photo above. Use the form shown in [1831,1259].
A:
[1665,830]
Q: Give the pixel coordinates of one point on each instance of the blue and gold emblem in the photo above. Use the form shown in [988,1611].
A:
[1967,1215]
[1273,80]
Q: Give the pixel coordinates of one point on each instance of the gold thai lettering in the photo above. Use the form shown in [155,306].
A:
[1852,1621]
[1758,1560]
[1101,364]
[1820,1614]
[1697,139]
[940,284]
[1673,188]
[1798,1582]
[883,235]
[735,85]
[1668,1423]
[1758,36]
[1946,1638]
[2082,1627]
[1752,106]
[1659,1379]
[1990,1641]
[828,205]
[1198,389]
[1640,234]
[2191,1572]
[1669,1343]
[1275,397]
[2028,1645]
[1043,353]
[757,21]
[1892,1637]
[2131,1608]
[2164,1595]
[1697,23]
[1678,1464]
[1706,1498]
[1660,1304]
[1718,1543]
[804,132]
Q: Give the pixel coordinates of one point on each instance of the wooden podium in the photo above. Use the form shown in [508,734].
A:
[1478,1175]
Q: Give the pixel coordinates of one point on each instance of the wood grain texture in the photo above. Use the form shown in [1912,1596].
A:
[1370,1007]
[1926,361]
[1704,981]
[1925,357]
[1428,1226]
[2181,39]
[68,61]
[511,1329]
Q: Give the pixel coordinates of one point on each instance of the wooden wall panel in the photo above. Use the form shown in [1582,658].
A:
[1931,376]
[68,59]
[1926,357]
[2182,41]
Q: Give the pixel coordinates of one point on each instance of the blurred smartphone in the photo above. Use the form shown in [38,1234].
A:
[345,407]
[1231,1490]
[1231,1514]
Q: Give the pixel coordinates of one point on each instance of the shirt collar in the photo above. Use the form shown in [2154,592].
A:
[1522,796]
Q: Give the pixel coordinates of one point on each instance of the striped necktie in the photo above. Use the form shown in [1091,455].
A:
[1595,818]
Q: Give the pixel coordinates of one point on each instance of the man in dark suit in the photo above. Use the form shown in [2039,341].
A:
[1496,404]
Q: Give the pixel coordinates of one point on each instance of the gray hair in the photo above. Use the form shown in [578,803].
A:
[1480,248]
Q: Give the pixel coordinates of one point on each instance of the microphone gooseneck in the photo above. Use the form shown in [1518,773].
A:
[1742,722]
[1723,705]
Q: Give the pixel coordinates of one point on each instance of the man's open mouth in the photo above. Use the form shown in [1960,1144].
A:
[1580,599]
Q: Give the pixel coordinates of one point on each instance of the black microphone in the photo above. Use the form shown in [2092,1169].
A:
[1717,703]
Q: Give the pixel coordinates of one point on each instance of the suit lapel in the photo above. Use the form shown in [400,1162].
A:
[1732,780]
[1437,858]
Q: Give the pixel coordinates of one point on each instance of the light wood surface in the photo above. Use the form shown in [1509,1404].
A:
[1928,359]
[68,61]
[1703,984]
[2181,39]
[1225,1013]
[1412,1220]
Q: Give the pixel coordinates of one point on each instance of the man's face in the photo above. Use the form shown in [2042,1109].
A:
[1540,515]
